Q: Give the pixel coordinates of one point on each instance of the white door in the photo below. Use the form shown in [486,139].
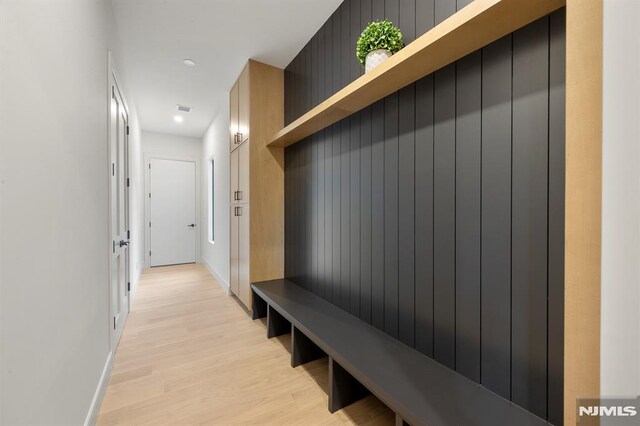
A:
[119,171]
[173,212]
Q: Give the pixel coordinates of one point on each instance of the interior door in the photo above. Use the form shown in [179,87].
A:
[173,212]
[119,170]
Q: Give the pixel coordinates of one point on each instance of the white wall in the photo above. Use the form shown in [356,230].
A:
[171,145]
[215,144]
[620,343]
[54,303]
[136,202]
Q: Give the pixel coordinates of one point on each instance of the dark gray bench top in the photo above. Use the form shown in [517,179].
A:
[419,389]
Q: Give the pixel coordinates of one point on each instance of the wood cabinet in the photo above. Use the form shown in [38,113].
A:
[233,179]
[243,106]
[234,223]
[233,117]
[257,179]
[240,283]
[243,195]
[239,178]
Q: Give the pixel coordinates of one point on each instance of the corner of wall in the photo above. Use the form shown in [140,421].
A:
[215,255]
[221,281]
[96,401]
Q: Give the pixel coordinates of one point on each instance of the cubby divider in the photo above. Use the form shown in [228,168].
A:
[303,350]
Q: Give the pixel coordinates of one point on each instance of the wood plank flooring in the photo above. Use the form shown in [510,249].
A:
[191,355]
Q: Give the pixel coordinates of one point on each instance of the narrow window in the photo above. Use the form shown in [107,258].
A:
[212,210]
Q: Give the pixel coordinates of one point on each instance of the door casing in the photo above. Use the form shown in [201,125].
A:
[113,82]
[147,203]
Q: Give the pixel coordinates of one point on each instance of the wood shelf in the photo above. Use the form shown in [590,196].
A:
[471,28]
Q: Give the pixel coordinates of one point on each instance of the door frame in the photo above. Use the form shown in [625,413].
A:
[113,80]
[147,202]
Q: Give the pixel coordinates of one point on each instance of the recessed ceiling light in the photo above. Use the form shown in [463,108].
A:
[189,62]
[178,118]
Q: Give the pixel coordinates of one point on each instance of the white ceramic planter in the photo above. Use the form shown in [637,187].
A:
[375,58]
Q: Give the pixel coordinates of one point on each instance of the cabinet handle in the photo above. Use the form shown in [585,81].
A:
[239,137]
[235,195]
[239,196]
[239,211]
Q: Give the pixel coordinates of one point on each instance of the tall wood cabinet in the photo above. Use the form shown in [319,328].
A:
[257,178]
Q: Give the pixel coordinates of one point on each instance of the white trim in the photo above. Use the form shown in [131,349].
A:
[114,81]
[147,203]
[221,282]
[96,402]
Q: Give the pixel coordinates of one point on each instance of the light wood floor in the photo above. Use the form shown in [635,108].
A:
[191,355]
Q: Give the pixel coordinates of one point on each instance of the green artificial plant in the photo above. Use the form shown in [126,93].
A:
[378,35]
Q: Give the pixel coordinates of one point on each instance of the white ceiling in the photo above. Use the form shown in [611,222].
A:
[220,35]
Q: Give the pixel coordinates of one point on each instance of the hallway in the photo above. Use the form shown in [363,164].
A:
[190,355]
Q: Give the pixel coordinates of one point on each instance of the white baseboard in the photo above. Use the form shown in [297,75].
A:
[96,402]
[221,281]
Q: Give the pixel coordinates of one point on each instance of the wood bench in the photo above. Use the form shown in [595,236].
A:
[364,360]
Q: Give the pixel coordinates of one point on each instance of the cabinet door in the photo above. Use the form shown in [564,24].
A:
[233,116]
[243,173]
[233,170]
[243,105]
[233,285]
[244,285]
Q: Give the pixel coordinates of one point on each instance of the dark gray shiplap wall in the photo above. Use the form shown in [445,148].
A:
[437,214]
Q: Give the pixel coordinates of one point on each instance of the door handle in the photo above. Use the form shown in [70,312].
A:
[193,225]
[123,243]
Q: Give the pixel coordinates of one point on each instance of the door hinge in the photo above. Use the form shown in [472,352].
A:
[128,286]
[149,252]
[114,323]
[128,235]
[114,246]
[149,195]
[127,130]
[149,224]
[149,166]
[113,169]
[128,182]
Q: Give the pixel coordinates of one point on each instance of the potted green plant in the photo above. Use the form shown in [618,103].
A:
[378,41]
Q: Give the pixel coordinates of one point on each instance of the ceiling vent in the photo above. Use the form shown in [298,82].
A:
[183,108]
